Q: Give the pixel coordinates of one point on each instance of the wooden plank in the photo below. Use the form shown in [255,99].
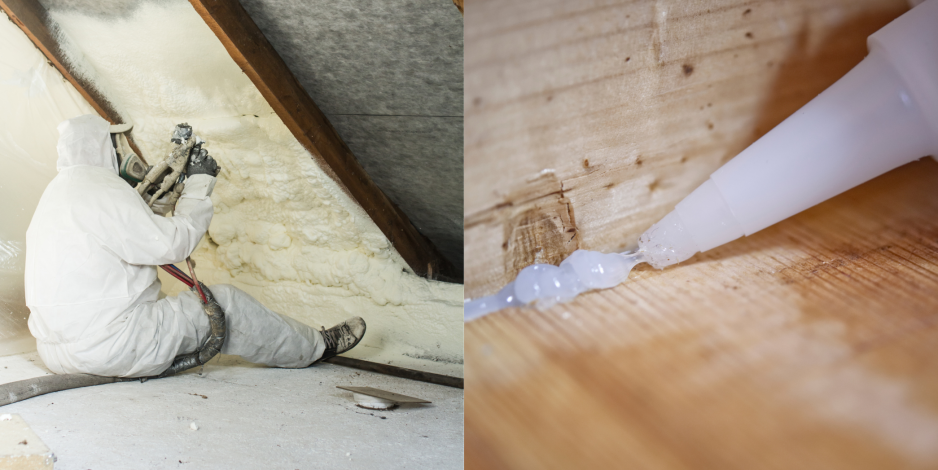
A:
[395,371]
[808,345]
[258,59]
[626,107]
[34,20]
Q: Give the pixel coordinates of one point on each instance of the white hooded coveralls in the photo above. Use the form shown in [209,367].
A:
[92,249]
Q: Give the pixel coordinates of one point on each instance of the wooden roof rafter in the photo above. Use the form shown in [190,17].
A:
[31,17]
[257,58]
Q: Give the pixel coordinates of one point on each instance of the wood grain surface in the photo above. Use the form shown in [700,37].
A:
[809,345]
[588,120]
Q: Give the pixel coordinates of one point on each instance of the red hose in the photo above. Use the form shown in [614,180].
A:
[195,280]
[181,276]
[173,273]
[179,272]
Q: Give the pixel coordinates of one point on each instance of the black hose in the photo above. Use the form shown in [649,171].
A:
[23,389]
[216,317]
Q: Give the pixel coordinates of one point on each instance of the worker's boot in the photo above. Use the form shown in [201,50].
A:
[342,337]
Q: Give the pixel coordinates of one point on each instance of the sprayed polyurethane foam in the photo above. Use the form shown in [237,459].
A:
[283,230]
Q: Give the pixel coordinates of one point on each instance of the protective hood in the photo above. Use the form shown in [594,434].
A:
[86,140]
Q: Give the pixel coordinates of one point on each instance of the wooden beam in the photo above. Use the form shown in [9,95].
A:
[429,377]
[34,20]
[261,63]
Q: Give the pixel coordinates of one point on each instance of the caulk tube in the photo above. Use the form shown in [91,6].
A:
[881,115]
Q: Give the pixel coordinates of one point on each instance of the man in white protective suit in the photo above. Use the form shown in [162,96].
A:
[92,250]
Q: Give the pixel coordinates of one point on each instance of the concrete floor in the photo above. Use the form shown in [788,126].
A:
[248,416]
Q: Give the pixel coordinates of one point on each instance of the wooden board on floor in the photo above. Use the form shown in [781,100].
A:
[588,120]
[809,345]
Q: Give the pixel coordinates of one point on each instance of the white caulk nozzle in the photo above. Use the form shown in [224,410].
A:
[881,115]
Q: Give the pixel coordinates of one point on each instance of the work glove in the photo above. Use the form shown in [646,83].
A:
[201,163]
[162,206]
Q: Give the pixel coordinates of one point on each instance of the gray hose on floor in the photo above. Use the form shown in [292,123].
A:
[23,389]
[19,391]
